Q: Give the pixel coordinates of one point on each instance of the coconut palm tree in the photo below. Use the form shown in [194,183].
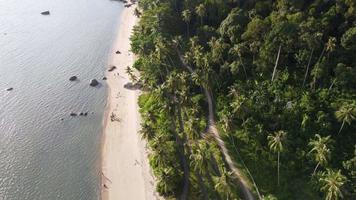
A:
[320,150]
[331,182]
[346,114]
[237,50]
[130,72]
[187,16]
[275,143]
[201,12]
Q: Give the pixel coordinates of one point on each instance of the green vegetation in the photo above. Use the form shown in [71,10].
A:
[275,80]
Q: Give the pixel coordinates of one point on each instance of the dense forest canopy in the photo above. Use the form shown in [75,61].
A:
[267,84]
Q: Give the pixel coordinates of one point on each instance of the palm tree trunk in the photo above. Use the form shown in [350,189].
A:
[243,66]
[320,57]
[275,66]
[332,84]
[316,167]
[307,72]
[278,171]
[342,126]
[202,186]
[187,29]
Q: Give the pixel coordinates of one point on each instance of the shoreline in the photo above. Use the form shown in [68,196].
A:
[125,172]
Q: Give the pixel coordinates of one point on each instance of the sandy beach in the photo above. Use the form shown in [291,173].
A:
[125,169]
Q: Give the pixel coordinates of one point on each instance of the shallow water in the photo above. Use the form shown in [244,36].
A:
[41,156]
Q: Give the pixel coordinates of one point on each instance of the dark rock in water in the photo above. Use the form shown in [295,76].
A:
[94,83]
[85,114]
[9,89]
[112,68]
[62,119]
[73,78]
[118,52]
[45,13]
[73,114]
[104,78]
[81,114]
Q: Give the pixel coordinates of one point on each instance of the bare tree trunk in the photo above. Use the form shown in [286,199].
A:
[275,66]
[307,72]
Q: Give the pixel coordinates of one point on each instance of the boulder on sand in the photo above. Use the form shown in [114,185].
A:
[104,78]
[9,89]
[45,13]
[73,78]
[94,82]
[118,52]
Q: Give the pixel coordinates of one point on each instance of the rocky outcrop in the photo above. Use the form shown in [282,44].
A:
[45,13]
[73,78]
[94,82]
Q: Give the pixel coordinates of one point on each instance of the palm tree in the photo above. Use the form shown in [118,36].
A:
[275,143]
[346,113]
[201,11]
[331,182]
[130,72]
[237,50]
[187,16]
[320,150]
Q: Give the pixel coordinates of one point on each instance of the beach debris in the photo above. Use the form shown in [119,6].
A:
[118,52]
[9,89]
[73,114]
[45,12]
[93,82]
[114,118]
[104,78]
[112,68]
[73,78]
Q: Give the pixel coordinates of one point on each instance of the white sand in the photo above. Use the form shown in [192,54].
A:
[125,170]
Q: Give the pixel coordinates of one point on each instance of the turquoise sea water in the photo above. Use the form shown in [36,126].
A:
[41,156]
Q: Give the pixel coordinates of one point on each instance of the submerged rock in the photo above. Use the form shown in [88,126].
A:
[73,78]
[94,82]
[9,89]
[45,13]
[104,78]
[73,114]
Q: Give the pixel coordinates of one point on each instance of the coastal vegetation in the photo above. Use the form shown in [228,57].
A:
[248,98]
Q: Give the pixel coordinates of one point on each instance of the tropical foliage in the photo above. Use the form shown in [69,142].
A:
[279,78]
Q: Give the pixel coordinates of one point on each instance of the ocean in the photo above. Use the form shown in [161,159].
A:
[45,154]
